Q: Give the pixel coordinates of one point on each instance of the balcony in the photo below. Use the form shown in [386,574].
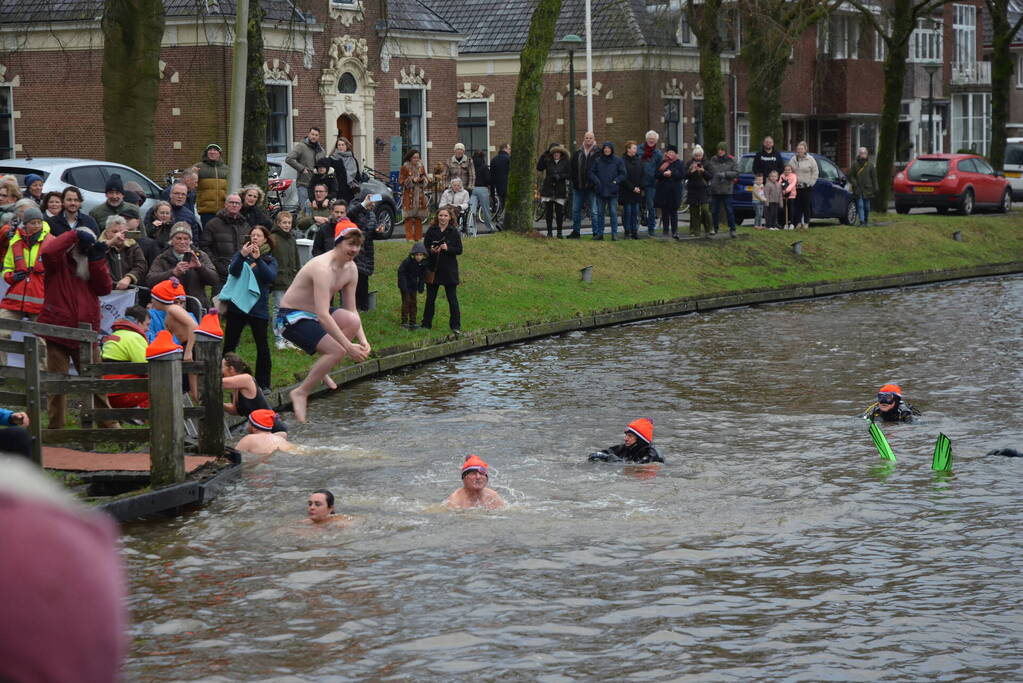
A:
[971,73]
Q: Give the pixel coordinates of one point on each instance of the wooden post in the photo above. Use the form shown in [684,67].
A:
[88,401]
[211,395]
[166,421]
[33,397]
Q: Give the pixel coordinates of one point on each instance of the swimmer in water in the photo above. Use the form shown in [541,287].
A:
[890,407]
[320,510]
[474,492]
[637,447]
[261,439]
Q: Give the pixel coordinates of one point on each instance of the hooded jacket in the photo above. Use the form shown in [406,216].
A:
[211,191]
[412,273]
[70,300]
[25,295]
[222,237]
[607,172]
[285,250]
[635,171]
[556,173]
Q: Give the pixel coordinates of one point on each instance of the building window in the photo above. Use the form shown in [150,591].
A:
[925,42]
[880,47]
[1019,70]
[473,131]
[864,134]
[278,125]
[971,114]
[684,35]
[6,122]
[346,85]
[673,121]
[964,34]
[741,135]
[698,120]
[842,39]
[411,123]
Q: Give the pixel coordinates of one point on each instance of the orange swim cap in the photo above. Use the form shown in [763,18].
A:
[168,291]
[262,419]
[473,463]
[643,428]
[163,345]
[210,326]
[890,388]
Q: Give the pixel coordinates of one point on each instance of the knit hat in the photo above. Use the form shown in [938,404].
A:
[344,228]
[209,326]
[114,184]
[642,428]
[31,178]
[131,198]
[473,463]
[212,145]
[418,248]
[459,145]
[180,226]
[322,162]
[130,209]
[723,146]
[31,214]
[673,148]
[263,419]
[168,291]
[162,346]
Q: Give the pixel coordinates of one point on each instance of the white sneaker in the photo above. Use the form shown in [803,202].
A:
[281,344]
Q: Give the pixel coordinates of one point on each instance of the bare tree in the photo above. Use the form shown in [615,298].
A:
[1003,33]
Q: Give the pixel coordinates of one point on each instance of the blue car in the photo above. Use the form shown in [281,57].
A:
[831,198]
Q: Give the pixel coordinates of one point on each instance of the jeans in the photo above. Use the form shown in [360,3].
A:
[480,197]
[275,297]
[236,322]
[605,204]
[758,214]
[716,202]
[630,218]
[578,197]
[863,209]
[651,212]
[455,313]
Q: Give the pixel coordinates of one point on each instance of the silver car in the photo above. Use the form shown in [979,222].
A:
[88,175]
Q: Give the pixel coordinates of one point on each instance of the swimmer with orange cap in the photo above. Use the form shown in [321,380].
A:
[638,446]
[261,438]
[474,492]
[890,406]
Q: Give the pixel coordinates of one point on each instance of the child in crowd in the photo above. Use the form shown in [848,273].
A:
[285,251]
[321,176]
[411,281]
[772,199]
[637,448]
[788,188]
[127,343]
[759,201]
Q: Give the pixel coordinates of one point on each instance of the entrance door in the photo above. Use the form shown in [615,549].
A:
[344,128]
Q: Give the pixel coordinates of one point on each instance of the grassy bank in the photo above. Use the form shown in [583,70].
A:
[509,279]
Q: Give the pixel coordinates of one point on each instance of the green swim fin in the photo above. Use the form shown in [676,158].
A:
[883,449]
[942,461]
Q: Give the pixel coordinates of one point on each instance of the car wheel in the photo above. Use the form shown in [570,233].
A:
[901,208]
[385,217]
[851,217]
[1006,205]
[966,205]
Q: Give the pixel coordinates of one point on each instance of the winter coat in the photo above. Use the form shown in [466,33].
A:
[444,264]
[345,187]
[101,213]
[460,168]
[222,237]
[640,453]
[606,173]
[482,173]
[650,165]
[307,220]
[459,199]
[194,280]
[580,166]
[556,173]
[764,162]
[863,178]
[788,182]
[69,300]
[23,255]
[697,184]
[59,224]
[806,170]
[772,192]
[500,166]
[211,191]
[414,202]
[412,274]
[285,251]
[367,222]
[322,179]
[182,214]
[303,158]
[634,176]
[128,261]
[723,173]
[189,200]
[668,191]
[254,215]
[265,270]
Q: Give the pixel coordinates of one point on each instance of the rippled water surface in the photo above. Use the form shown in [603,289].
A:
[771,546]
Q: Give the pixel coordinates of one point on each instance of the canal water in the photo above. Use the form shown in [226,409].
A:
[771,546]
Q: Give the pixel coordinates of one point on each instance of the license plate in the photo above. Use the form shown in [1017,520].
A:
[923,189]
[1013,174]
[749,188]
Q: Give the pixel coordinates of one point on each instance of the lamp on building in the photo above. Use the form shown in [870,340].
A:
[571,42]
[931,69]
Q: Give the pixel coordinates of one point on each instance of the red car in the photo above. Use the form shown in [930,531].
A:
[963,182]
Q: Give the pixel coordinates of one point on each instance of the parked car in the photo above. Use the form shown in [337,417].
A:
[385,211]
[1013,165]
[831,196]
[88,175]
[963,182]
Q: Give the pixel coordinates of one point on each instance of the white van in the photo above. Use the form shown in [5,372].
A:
[1013,166]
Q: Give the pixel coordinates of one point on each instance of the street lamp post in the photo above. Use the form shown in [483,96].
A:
[570,42]
[930,69]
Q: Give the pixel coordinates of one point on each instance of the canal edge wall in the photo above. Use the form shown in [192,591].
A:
[407,357]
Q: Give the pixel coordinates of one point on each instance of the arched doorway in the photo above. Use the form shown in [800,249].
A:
[345,127]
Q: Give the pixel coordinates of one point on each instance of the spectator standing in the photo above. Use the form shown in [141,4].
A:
[768,159]
[10,192]
[190,179]
[224,235]
[411,274]
[759,201]
[125,259]
[255,255]
[71,217]
[789,182]
[772,200]
[347,174]
[698,194]
[323,177]
[460,166]
[114,205]
[631,195]
[555,166]
[582,185]
[156,231]
[53,204]
[193,268]
[807,172]
[414,203]
[723,174]
[652,158]
[480,194]
[323,240]
[863,178]
[211,187]
[444,245]
[606,175]
[252,207]
[34,189]
[303,158]
[318,211]
[23,272]
[361,213]
[670,174]
[285,251]
[181,211]
[500,166]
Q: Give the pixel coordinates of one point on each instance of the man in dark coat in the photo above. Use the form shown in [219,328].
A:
[723,173]
[768,159]
[582,185]
[224,235]
[71,217]
[606,174]
[499,168]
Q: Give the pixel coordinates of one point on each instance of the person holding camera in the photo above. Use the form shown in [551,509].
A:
[698,195]
[807,172]
[668,192]
[255,255]
[193,268]
[444,244]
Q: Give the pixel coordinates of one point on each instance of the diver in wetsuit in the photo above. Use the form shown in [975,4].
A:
[890,407]
[637,448]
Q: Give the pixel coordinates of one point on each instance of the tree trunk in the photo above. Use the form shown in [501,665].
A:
[257,110]
[132,33]
[766,72]
[710,43]
[903,21]
[526,118]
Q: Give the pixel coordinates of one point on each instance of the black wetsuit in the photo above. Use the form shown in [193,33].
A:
[639,452]
[244,406]
[903,412]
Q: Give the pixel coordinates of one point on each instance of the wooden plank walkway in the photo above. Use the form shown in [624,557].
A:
[68,459]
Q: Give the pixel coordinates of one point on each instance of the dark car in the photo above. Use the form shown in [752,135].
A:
[831,198]
[963,182]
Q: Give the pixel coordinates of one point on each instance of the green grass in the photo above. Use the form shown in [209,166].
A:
[508,279]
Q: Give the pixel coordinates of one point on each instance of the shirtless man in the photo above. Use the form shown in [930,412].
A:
[261,439]
[474,492]
[308,321]
[320,510]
